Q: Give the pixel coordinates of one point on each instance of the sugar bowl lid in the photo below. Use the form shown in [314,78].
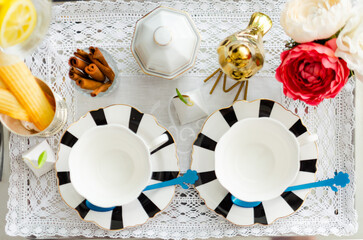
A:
[165,42]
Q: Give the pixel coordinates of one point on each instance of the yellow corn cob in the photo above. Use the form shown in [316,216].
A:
[11,107]
[20,81]
[2,85]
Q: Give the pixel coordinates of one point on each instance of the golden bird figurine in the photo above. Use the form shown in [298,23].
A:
[241,55]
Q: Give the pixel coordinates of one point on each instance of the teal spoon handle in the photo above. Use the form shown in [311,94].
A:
[190,177]
[340,179]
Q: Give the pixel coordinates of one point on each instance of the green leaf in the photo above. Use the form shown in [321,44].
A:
[351,74]
[291,44]
[181,97]
[42,159]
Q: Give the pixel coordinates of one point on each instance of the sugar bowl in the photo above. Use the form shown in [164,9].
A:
[165,43]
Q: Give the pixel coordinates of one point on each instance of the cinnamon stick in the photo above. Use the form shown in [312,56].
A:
[77,63]
[95,72]
[97,58]
[84,83]
[76,71]
[102,88]
[88,84]
[75,76]
[97,54]
[82,55]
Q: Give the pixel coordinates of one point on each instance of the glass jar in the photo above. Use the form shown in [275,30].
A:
[60,117]
[43,11]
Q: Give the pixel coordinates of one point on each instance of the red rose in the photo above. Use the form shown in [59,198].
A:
[311,72]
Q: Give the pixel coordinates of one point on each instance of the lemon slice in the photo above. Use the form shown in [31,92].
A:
[17,21]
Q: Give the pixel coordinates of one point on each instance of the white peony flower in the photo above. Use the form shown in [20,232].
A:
[350,42]
[309,20]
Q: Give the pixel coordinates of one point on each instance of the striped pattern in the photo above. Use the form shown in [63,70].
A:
[116,219]
[82,209]
[298,128]
[135,119]
[224,206]
[146,205]
[259,214]
[205,177]
[218,198]
[265,108]
[170,141]
[150,208]
[293,200]
[99,117]
[63,178]
[308,165]
[229,115]
[164,176]
[205,142]
[68,139]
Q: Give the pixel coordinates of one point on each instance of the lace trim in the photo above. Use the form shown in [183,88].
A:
[35,207]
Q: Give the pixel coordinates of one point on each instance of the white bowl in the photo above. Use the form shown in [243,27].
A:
[164,166]
[165,42]
[109,165]
[257,159]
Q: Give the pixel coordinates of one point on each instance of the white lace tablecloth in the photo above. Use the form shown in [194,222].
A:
[35,207]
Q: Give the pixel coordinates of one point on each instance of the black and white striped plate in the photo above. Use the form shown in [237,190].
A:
[216,196]
[164,163]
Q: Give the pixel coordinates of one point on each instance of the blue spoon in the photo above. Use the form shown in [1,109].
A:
[189,177]
[340,179]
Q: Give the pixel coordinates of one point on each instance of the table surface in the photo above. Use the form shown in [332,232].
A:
[359,168]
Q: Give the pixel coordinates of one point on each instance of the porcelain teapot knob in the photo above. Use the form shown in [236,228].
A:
[162,36]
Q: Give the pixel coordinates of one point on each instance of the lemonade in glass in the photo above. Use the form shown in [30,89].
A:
[23,24]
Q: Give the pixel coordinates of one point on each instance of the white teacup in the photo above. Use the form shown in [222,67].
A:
[258,158]
[110,165]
